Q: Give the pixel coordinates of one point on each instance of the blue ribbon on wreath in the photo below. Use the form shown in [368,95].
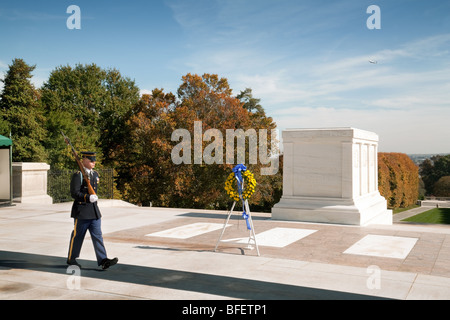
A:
[240,181]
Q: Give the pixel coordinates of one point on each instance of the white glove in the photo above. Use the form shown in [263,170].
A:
[93,198]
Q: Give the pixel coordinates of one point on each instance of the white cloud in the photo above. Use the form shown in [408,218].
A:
[311,82]
[405,98]
[398,80]
[145,91]
[398,130]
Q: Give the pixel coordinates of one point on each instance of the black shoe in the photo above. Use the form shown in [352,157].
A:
[106,263]
[73,262]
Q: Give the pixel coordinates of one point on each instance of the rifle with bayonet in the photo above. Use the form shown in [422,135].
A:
[80,165]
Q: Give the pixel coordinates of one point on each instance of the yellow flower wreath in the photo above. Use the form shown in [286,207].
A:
[249,186]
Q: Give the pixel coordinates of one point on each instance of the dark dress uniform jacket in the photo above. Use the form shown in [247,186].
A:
[82,208]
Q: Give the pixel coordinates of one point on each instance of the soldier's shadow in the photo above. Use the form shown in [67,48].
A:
[15,260]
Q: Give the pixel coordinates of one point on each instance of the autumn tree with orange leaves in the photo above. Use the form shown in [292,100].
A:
[398,179]
[147,172]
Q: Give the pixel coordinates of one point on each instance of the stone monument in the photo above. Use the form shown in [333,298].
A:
[331,176]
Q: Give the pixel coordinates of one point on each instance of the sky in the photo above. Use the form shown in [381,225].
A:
[311,62]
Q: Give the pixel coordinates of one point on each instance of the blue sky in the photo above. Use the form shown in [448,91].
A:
[308,61]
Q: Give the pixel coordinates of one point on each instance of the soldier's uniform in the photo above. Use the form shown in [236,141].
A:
[86,216]
[82,208]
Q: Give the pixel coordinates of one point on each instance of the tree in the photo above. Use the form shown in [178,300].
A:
[145,171]
[148,173]
[121,96]
[207,99]
[154,177]
[431,170]
[21,113]
[398,179]
[427,175]
[251,104]
[442,187]
[89,105]
[269,189]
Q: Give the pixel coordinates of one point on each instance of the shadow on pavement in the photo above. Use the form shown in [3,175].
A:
[180,280]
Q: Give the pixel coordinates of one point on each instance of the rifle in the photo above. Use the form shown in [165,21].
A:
[80,165]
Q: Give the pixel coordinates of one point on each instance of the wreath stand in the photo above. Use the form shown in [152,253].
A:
[252,236]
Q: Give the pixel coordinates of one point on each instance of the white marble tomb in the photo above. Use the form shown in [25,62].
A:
[330,175]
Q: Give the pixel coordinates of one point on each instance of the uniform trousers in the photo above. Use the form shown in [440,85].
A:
[79,231]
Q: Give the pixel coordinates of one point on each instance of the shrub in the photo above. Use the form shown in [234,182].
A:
[398,179]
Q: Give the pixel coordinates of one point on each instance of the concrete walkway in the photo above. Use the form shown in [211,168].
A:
[169,254]
[409,213]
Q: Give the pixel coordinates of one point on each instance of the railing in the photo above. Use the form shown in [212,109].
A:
[58,184]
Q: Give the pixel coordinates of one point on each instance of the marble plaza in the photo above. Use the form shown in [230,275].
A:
[370,245]
[167,253]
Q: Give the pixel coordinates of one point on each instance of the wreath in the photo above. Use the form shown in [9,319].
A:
[249,186]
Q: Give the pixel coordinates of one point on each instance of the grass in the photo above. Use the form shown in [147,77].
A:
[437,216]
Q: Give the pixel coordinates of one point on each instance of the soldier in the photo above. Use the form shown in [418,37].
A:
[87,215]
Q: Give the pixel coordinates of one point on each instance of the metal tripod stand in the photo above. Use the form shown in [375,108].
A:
[252,236]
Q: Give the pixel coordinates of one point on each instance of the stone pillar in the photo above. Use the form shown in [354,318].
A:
[331,176]
[30,182]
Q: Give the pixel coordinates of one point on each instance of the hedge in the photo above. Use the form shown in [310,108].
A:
[398,179]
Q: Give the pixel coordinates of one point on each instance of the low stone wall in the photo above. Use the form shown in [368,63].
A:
[435,203]
[30,182]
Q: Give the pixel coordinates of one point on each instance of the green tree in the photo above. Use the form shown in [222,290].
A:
[431,170]
[88,104]
[251,104]
[121,96]
[442,187]
[21,113]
